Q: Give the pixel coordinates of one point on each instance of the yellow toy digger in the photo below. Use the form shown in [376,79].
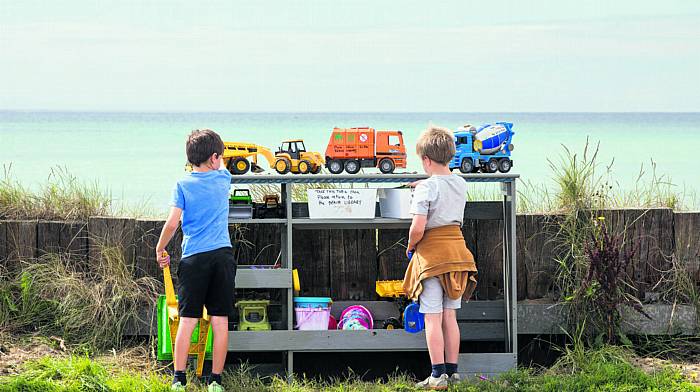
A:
[239,158]
[291,156]
[168,322]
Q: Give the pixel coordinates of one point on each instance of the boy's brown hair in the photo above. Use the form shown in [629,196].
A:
[436,143]
[201,144]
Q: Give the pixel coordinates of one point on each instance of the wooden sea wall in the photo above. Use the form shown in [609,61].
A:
[344,264]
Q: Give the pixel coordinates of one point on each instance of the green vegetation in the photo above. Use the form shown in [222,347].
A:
[578,181]
[89,303]
[78,374]
[61,197]
[605,369]
[581,182]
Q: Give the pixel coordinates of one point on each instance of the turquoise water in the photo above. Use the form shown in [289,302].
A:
[139,156]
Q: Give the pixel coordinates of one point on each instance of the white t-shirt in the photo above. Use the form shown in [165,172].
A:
[442,198]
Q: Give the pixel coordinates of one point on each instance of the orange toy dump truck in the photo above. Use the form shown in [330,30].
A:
[354,148]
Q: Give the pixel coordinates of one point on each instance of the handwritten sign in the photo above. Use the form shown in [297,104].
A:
[342,203]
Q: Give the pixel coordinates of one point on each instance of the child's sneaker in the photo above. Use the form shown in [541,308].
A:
[177,387]
[454,379]
[434,383]
[215,387]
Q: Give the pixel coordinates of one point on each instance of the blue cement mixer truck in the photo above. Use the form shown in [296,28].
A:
[487,148]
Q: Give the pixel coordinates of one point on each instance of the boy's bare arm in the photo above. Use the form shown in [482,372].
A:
[171,225]
[415,234]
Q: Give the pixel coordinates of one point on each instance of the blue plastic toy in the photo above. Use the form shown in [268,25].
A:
[487,148]
[413,320]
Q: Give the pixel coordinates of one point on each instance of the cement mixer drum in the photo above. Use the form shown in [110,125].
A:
[491,138]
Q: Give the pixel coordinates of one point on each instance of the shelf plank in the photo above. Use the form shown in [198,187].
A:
[247,278]
[345,223]
[232,221]
[359,178]
[333,340]
[470,311]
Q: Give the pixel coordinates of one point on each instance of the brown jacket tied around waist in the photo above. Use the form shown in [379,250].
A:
[442,253]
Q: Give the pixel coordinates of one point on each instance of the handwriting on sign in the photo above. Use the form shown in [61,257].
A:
[352,203]
[338,197]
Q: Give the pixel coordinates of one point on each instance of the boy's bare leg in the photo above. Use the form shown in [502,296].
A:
[219,325]
[182,341]
[434,337]
[450,331]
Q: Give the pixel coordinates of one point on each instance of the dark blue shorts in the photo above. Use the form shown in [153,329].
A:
[206,279]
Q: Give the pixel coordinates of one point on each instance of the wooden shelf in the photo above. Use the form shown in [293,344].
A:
[378,223]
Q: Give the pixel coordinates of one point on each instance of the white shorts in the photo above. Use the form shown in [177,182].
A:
[433,298]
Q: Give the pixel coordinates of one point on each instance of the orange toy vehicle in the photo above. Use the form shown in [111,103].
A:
[354,148]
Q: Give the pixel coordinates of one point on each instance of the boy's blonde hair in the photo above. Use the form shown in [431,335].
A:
[438,144]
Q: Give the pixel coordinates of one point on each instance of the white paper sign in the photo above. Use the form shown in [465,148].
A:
[342,203]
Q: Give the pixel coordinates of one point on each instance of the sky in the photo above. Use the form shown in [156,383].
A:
[350,56]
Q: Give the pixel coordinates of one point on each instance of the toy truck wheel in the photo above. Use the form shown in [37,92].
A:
[282,166]
[240,166]
[316,169]
[352,166]
[304,167]
[492,165]
[466,166]
[504,165]
[335,166]
[386,166]
[392,323]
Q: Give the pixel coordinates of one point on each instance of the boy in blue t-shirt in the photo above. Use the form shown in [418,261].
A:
[207,270]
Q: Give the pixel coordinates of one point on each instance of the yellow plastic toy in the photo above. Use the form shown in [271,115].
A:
[390,288]
[393,289]
[239,158]
[199,347]
[291,156]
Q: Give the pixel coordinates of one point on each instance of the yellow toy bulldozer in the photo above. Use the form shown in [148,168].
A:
[291,156]
[239,158]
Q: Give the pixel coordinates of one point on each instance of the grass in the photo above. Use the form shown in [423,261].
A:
[91,304]
[604,369]
[63,197]
[579,180]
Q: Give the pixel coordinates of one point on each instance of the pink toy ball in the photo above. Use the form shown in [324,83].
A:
[356,317]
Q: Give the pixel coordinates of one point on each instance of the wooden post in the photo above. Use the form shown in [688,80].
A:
[391,254]
[687,242]
[21,241]
[111,232]
[312,258]
[353,271]
[146,236]
[48,237]
[537,253]
[3,242]
[73,240]
[489,256]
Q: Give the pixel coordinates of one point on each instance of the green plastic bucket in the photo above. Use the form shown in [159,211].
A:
[164,346]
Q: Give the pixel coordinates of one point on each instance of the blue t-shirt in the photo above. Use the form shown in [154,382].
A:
[203,198]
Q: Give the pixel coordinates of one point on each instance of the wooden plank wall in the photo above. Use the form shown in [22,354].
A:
[687,241]
[649,234]
[344,264]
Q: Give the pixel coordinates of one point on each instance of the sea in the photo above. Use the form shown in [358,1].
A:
[138,157]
